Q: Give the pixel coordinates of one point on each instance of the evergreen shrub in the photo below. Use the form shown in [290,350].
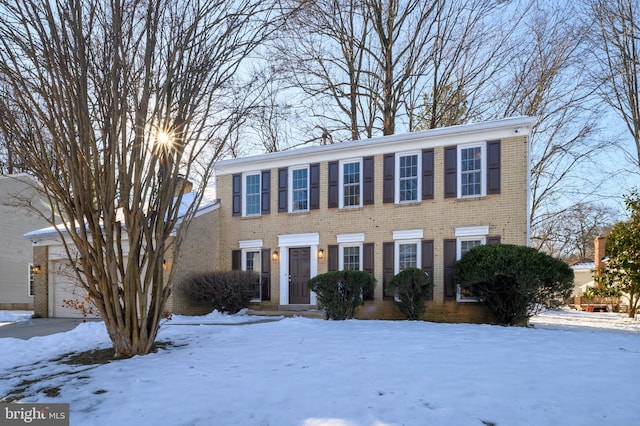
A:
[513,282]
[225,291]
[411,288]
[340,292]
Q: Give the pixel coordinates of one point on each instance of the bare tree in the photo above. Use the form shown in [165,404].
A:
[323,52]
[471,43]
[569,234]
[128,97]
[615,44]
[372,65]
[545,78]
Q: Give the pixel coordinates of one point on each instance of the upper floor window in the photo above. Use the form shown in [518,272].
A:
[300,189]
[252,194]
[408,171]
[350,184]
[471,170]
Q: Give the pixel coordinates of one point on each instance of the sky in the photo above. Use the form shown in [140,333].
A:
[570,368]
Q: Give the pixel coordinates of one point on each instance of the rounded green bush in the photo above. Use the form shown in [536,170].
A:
[513,282]
[411,288]
[340,292]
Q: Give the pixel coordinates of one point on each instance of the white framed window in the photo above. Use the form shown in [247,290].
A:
[251,189]
[472,166]
[407,249]
[31,282]
[350,183]
[350,257]
[350,251]
[251,260]
[466,239]
[299,189]
[408,170]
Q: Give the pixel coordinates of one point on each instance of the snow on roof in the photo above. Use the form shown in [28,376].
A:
[207,203]
[583,265]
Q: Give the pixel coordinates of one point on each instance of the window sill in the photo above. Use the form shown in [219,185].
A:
[472,198]
[408,203]
[252,217]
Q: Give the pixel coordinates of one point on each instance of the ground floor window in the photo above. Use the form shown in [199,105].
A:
[407,248]
[32,279]
[350,257]
[466,241]
[251,262]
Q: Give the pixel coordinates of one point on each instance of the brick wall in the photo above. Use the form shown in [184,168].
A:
[505,214]
[41,282]
[198,254]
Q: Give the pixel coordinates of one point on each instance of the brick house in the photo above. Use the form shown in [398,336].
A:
[420,199]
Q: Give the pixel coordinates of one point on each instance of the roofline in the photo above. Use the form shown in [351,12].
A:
[50,232]
[502,128]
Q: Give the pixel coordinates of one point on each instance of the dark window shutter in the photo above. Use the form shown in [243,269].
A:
[388,177]
[333,261]
[237,194]
[427,174]
[493,167]
[314,186]
[493,240]
[266,192]
[387,267]
[427,260]
[334,182]
[368,265]
[266,274]
[449,265]
[283,174]
[367,181]
[236,260]
[450,172]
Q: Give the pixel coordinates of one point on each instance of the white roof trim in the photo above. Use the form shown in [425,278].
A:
[350,238]
[472,231]
[410,234]
[453,135]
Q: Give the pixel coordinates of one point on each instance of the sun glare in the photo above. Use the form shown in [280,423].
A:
[163,139]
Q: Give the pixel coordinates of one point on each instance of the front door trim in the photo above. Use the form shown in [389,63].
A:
[286,241]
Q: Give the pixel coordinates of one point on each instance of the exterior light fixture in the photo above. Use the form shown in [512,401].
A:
[164,264]
[36,269]
[321,254]
[275,256]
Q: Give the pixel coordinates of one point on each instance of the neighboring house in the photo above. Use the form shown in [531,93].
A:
[583,277]
[381,205]
[16,272]
[57,293]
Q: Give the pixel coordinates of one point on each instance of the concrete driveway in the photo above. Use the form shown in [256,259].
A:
[40,327]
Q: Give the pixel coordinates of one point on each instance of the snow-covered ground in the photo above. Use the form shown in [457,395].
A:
[8,317]
[572,368]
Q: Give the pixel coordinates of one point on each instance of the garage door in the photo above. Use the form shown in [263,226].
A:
[67,298]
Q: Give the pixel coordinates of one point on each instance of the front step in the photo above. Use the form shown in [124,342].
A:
[306,311]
